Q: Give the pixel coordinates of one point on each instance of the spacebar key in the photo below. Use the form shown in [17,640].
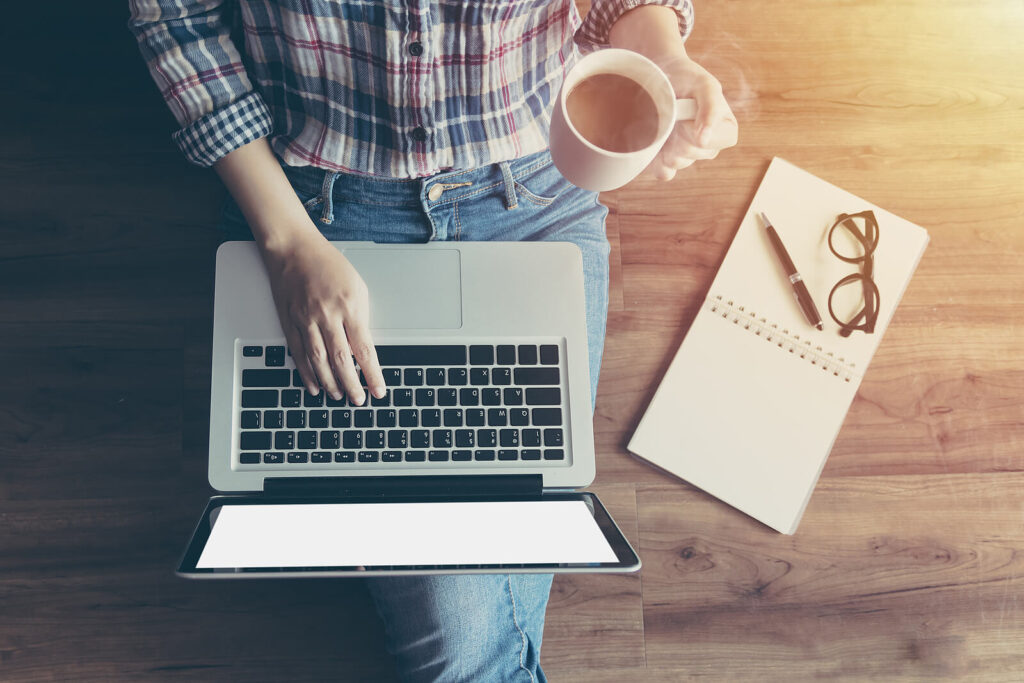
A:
[445,354]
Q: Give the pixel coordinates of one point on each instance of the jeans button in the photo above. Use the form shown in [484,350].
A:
[435,192]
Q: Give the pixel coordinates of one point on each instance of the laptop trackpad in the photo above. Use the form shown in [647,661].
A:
[411,288]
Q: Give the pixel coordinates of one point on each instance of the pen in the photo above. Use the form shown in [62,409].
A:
[803,297]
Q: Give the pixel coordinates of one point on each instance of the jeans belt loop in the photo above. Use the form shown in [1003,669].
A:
[327,195]
[511,201]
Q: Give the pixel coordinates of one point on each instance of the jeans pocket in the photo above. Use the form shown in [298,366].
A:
[542,184]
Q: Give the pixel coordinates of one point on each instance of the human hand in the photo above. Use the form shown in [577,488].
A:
[324,308]
[713,129]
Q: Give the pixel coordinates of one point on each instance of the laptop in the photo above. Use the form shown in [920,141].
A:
[472,462]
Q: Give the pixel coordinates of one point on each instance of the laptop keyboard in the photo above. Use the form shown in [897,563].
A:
[445,403]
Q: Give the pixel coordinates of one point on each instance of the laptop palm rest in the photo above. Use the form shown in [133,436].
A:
[411,288]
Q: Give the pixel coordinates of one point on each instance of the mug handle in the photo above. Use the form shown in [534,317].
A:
[686,109]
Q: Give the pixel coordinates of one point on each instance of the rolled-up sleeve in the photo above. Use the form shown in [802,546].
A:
[603,14]
[200,74]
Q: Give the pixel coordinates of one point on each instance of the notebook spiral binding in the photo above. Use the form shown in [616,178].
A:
[785,340]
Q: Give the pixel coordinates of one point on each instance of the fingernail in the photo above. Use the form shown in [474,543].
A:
[336,395]
[379,391]
[360,399]
[314,391]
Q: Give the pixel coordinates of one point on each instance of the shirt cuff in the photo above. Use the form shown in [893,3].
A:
[603,14]
[220,132]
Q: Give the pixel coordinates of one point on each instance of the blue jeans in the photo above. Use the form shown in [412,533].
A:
[484,627]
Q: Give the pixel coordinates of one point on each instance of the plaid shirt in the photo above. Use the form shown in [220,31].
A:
[395,89]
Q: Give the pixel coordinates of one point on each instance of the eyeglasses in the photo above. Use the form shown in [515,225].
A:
[853,239]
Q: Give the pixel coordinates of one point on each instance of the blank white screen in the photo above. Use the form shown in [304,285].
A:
[365,534]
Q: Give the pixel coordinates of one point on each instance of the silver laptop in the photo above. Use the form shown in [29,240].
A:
[470,463]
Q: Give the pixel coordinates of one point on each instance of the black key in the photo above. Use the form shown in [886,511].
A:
[249,458]
[519,417]
[464,438]
[374,438]
[501,376]
[554,454]
[275,458]
[442,438]
[475,417]
[547,416]
[334,402]
[330,439]
[548,354]
[250,351]
[527,354]
[438,456]
[274,357]
[250,419]
[421,355]
[297,379]
[419,438]
[552,437]
[509,438]
[481,355]
[506,354]
[402,397]
[508,455]
[486,438]
[531,437]
[298,456]
[447,397]
[497,417]
[363,418]
[386,417]
[296,419]
[453,417]
[462,456]
[398,438]
[317,419]
[469,397]
[291,398]
[530,454]
[484,455]
[311,401]
[415,456]
[392,376]
[384,400]
[479,377]
[430,417]
[456,377]
[284,441]
[319,456]
[391,456]
[266,378]
[490,397]
[424,397]
[413,377]
[307,440]
[255,441]
[273,419]
[352,438]
[543,396]
[542,375]
[344,456]
[513,396]
[259,398]
[435,377]
[408,418]
[369,456]
[341,418]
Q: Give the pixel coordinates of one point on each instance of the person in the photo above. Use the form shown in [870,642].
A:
[407,122]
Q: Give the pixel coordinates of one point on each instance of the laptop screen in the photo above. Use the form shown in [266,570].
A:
[300,536]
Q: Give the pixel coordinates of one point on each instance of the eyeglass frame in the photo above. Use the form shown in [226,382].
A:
[870,293]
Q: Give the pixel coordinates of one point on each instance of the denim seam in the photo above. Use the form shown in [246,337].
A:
[458,223]
[522,634]
[467,195]
[535,198]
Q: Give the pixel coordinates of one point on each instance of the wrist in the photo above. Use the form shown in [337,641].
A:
[651,30]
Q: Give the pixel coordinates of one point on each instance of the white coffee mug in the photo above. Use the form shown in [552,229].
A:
[590,167]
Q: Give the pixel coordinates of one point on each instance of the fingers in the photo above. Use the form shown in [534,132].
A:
[366,355]
[318,357]
[298,350]
[342,364]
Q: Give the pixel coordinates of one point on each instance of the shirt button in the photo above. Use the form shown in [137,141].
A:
[416,49]
[419,134]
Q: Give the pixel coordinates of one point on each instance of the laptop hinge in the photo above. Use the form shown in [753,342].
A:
[428,486]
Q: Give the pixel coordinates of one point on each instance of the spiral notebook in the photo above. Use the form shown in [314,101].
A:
[755,397]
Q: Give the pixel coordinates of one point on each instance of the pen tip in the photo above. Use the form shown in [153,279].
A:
[765,220]
[820,327]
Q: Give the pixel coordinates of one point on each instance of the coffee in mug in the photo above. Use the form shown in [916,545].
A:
[613,112]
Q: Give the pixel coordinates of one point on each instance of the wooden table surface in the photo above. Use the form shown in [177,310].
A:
[908,562]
